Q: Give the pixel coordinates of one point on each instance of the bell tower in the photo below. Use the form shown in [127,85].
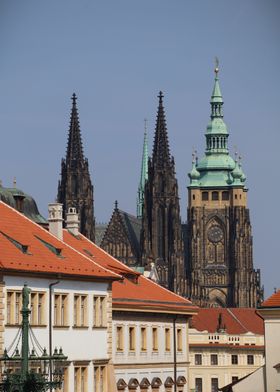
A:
[220,267]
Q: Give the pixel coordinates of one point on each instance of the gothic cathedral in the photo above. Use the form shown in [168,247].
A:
[208,259]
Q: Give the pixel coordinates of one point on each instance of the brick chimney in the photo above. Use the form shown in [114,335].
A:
[72,221]
[55,219]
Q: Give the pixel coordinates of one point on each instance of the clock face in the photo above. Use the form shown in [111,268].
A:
[215,234]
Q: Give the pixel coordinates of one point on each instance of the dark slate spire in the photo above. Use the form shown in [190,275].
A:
[75,187]
[75,145]
[161,154]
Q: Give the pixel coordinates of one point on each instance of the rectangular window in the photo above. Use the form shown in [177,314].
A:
[234,359]
[179,340]
[100,379]
[131,333]
[80,379]
[80,310]
[198,359]
[119,333]
[60,310]
[214,384]
[215,195]
[214,359]
[155,339]
[167,339]
[198,385]
[100,311]
[65,384]
[14,307]
[250,359]
[204,196]
[225,195]
[143,339]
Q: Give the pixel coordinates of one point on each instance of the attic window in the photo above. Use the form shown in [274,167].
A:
[88,252]
[53,249]
[21,247]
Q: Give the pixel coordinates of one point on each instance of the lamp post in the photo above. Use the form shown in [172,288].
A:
[28,372]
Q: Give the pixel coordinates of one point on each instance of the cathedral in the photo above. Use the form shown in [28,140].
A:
[209,258]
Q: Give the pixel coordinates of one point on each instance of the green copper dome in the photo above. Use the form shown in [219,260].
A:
[217,168]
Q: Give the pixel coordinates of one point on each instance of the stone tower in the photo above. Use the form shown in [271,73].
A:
[220,264]
[143,177]
[161,224]
[75,188]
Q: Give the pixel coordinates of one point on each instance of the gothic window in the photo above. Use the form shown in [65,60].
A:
[215,251]
[204,195]
[215,195]
[161,244]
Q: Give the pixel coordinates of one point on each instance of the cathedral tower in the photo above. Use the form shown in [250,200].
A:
[143,177]
[75,188]
[220,269]
[161,224]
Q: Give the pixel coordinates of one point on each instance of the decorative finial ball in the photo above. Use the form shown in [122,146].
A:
[216,70]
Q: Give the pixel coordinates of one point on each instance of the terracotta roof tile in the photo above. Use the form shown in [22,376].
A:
[134,290]
[26,246]
[273,301]
[236,320]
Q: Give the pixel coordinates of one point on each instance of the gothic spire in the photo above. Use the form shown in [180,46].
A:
[161,154]
[144,174]
[216,98]
[75,146]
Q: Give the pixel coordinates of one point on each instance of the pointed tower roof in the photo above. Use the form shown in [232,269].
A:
[161,154]
[75,145]
[144,174]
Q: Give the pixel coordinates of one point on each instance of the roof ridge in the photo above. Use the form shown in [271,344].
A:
[237,319]
[52,235]
[103,251]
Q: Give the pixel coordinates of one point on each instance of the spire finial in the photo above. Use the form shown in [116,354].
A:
[116,204]
[216,66]
[15,182]
[145,125]
[74,98]
[160,96]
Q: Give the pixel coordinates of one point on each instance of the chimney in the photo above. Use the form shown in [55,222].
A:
[55,219]
[72,221]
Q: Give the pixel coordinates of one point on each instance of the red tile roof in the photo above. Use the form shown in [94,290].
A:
[134,291]
[273,301]
[27,247]
[236,320]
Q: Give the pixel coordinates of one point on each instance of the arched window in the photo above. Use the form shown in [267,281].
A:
[204,196]
[225,195]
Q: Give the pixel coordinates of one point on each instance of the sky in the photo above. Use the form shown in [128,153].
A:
[116,56]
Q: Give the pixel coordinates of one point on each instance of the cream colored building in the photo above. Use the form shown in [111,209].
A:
[225,345]
[267,377]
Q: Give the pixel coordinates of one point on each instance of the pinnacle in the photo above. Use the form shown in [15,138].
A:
[75,145]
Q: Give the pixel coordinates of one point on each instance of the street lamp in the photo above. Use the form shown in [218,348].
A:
[30,371]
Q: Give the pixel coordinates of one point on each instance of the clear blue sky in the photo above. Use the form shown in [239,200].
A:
[116,55]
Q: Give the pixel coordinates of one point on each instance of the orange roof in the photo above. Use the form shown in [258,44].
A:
[236,320]
[27,247]
[273,301]
[134,291]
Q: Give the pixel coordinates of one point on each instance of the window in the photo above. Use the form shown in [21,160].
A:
[214,359]
[250,359]
[198,385]
[143,339]
[36,307]
[131,333]
[215,195]
[99,311]
[60,310]
[198,359]
[167,339]
[80,379]
[100,379]
[193,197]
[214,384]
[204,196]
[179,340]
[225,195]
[119,338]
[155,339]
[80,310]
[65,384]
[14,305]
[234,359]
[234,379]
